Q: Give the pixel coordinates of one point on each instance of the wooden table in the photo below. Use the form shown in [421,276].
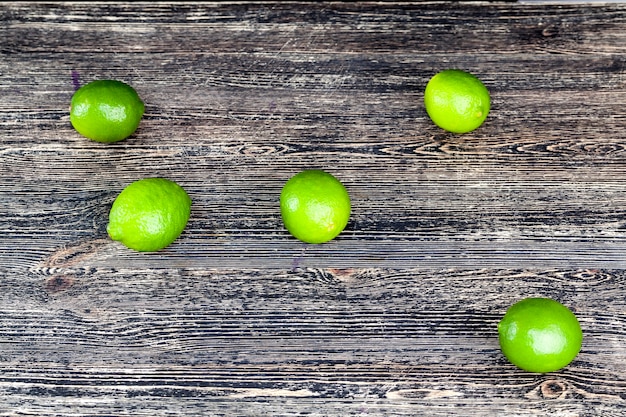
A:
[395,317]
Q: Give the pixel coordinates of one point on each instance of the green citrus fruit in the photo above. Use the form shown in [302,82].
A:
[540,335]
[149,214]
[106,110]
[315,206]
[456,101]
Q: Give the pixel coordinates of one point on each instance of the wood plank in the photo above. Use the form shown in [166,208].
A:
[402,339]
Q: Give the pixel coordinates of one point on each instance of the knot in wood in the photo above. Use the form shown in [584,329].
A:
[57,283]
[552,389]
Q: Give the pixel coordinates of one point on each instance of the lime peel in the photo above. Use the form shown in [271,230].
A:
[456,101]
[106,110]
[315,206]
[540,335]
[149,214]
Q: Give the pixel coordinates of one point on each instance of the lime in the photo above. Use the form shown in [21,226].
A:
[106,110]
[149,214]
[456,101]
[540,335]
[315,206]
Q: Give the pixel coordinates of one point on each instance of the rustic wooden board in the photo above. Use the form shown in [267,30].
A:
[397,316]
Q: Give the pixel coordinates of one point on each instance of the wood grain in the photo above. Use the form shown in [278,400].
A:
[398,315]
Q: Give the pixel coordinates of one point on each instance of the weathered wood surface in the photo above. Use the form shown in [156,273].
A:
[397,316]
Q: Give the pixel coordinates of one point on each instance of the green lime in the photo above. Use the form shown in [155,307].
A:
[149,214]
[315,206]
[540,335]
[456,101]
[106,110]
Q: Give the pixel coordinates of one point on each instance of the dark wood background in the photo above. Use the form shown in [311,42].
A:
[397,316]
